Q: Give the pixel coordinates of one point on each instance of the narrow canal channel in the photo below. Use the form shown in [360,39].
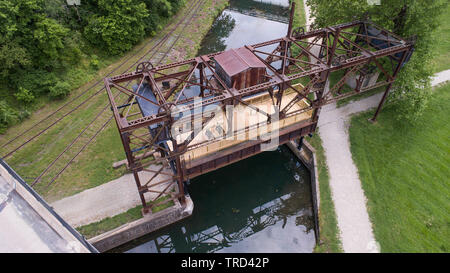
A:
[261,204]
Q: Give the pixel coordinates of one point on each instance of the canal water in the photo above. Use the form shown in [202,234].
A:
[261,204]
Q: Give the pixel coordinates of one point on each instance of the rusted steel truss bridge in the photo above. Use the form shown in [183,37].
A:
[176,115]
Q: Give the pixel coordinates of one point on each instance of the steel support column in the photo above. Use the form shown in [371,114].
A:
[388,88]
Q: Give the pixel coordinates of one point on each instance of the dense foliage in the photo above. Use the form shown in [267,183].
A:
[406,18]
[40,40]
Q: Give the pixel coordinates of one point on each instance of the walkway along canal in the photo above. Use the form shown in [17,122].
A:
[261,204]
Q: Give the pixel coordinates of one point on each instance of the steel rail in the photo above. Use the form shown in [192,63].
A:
[195,6]
[90,97]
[84,92]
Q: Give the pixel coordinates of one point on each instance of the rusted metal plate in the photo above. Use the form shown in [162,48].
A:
[240,68]
[235,61]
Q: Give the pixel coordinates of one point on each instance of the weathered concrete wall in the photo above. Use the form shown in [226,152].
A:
[37,213]
[307,156]
[143,226]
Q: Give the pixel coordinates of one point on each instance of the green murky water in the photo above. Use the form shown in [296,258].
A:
[261,204]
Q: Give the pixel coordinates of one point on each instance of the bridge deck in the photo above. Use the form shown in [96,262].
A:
[353,47]
[247,125]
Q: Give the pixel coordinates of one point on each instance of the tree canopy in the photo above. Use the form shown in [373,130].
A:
[406,18]
[41,40]
[118,25]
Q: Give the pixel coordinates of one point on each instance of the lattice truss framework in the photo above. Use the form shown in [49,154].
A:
[322,60]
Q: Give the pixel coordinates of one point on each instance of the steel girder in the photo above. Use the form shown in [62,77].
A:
[323,60]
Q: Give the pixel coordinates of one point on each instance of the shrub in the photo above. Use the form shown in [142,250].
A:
[122,26]
[24,95]
[60,90]
[38,82]
[95,62]
[8,116]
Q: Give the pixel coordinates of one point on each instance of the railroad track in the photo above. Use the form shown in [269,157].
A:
[86,92]
[103,126]
[100,121]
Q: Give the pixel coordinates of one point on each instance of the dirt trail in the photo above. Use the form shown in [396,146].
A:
[349,200]
[106,200]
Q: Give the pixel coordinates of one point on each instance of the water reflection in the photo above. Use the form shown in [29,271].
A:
[234,29]
[277,11]
[282,3]
[220,30]
[262,204]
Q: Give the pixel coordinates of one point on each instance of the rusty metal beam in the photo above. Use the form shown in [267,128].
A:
[340,53]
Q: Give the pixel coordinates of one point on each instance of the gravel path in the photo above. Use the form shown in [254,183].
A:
[308,18]
[441,77]
[349,200]
[348,196]
[106,200]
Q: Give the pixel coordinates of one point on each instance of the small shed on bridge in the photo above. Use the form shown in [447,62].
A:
[240,68]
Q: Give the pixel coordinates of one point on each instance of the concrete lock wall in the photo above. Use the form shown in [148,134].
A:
[307,156]
[37,206]
[143,226]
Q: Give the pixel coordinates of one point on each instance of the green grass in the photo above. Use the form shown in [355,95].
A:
[299,18]
[329,232]
[404,170]
[442,55]
[110,223]
[93,166]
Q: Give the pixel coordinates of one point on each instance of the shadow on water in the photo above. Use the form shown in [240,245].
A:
[261,204]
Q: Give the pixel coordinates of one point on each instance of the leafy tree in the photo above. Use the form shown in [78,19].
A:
[12,57]
[31,41]
[406,18]
[37,81]
[158,9]
[24,23]
[13,54]
[50,36]
[176,4]
[120,26]
[43,40]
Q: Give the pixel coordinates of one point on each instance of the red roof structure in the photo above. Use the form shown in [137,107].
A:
[235,61]
[240,68]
